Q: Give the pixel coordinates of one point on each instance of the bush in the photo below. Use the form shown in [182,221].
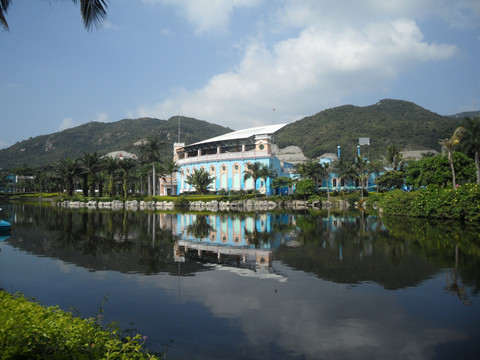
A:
[432,201]
[30,331]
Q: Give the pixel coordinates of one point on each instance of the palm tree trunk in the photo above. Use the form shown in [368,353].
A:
[452,168]
[154,182]
[328,188]
[477,164]
[149,188]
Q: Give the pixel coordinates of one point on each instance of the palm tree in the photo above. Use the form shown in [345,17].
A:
[170,168]
[93,12]
[449,145]
[90,166]
[111,165]
[265,173]
[253,171]
[470,142]
[343,169]
[310,169]
[67,169]
[361,171]
[394,157]
[126,165]
[201,180]
[326,169]
[151,154]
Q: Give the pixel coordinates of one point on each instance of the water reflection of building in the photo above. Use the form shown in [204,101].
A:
[241,242]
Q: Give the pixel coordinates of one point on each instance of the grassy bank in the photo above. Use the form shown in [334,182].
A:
[31,331]
[433,202]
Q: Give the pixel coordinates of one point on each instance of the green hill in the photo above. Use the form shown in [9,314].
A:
[125,135]
[402,123]
[388,122]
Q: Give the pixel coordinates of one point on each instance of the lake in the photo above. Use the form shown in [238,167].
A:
[256,286]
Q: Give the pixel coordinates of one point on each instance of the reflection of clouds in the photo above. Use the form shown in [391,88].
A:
[329,321]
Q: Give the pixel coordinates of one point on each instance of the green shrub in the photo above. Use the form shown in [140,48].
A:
[31,331]
[432,201]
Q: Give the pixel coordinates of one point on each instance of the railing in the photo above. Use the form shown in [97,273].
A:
[224,157]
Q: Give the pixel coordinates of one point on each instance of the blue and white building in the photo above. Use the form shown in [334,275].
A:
[226,157]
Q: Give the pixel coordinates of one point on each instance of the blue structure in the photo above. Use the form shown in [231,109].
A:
[226,157]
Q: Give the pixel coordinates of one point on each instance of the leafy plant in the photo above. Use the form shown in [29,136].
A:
[31,331]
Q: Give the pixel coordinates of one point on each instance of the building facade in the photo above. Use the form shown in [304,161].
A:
[226,158]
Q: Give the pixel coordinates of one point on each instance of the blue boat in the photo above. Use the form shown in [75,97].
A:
[5,227]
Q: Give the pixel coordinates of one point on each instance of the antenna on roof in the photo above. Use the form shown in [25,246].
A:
[274,115]
[178,122]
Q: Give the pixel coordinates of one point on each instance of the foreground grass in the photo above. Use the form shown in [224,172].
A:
[31,331]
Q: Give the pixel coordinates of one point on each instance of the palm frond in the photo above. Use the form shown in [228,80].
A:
[93,12]
[3,11]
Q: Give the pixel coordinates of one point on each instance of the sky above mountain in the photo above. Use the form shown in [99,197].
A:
[236,63]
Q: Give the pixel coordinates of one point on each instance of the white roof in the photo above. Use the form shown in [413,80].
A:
[244,134]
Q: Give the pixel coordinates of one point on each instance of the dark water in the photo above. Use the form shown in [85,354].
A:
[265,286]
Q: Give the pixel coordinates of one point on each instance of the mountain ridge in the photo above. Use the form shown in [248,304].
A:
[387,122]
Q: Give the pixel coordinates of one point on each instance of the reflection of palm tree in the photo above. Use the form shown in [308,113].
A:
[454,287]
[200,228]
[257,237]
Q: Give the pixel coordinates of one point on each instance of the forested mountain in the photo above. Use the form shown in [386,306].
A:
[398,122]
[388,122]
[125,135]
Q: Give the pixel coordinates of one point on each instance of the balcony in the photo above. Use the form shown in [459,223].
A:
[224,157]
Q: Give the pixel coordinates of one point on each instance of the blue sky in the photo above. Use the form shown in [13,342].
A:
[230,62]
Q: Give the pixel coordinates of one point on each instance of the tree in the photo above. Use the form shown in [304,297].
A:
[151,154]
[305,187]
[266,172]
[394,157]
[449,145]
[361,171]
[470,142]
[170,168]
[93,12]
[90,165]
[201,180]
[67,169]
[281,182]
[253,171]
[390,180]
[326,169]
[126,166]
[436,170]
[343,169]
[111,166]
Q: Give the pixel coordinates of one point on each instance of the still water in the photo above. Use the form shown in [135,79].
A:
[256,286]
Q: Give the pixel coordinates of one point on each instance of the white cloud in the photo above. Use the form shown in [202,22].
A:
[67,123]
[311,71]
[207,15]
[101,117]
[109,26]
[3,144]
